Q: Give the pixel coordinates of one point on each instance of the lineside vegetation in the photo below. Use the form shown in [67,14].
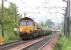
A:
[9,34]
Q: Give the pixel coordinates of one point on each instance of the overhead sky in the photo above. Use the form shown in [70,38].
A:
[41,10]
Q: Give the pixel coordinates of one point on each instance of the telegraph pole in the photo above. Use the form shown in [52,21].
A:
[15,14]
[66,19]
[68,5]
[3,18]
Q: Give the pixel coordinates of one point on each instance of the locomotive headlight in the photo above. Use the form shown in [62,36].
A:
[20,29]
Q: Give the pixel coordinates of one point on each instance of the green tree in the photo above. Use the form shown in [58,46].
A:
[42,24]
[9,21]
[49,23]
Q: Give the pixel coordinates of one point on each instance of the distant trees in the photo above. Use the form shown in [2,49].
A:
[42,24]
[48,23]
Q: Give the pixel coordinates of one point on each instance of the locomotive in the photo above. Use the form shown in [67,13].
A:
[29,30]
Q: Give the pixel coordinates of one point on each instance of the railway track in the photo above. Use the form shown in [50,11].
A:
[38,45]
[10,45]
[17,43]
[34,44]
[51,42]
[41,44]
[25,45]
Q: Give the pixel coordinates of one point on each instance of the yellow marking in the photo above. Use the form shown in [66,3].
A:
[1,40]
[26,28]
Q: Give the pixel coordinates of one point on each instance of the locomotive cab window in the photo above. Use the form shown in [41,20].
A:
[23,23]
[29,22]
[26,22]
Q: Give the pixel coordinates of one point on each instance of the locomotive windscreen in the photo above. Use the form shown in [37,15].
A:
[26,22]
[29,22]
[23,23]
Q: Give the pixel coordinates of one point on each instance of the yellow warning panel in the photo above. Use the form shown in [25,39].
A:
[1,40]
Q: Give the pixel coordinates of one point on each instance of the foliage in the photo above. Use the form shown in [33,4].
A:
[9,22]
[62,27]
[64,43]
[49,23]
[42,24]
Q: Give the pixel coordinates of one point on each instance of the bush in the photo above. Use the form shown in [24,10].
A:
[64,43]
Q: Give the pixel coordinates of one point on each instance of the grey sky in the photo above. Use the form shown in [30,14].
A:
[40,10]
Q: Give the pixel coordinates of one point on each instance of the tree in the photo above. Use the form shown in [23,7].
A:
[49,23]
[42,24]
[9,21]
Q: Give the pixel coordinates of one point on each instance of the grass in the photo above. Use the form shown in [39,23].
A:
[64,43]
[9,36]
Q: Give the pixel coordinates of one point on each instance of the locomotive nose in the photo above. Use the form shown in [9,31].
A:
[26,29]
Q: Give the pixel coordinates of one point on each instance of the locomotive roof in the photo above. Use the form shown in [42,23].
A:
[26,18]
